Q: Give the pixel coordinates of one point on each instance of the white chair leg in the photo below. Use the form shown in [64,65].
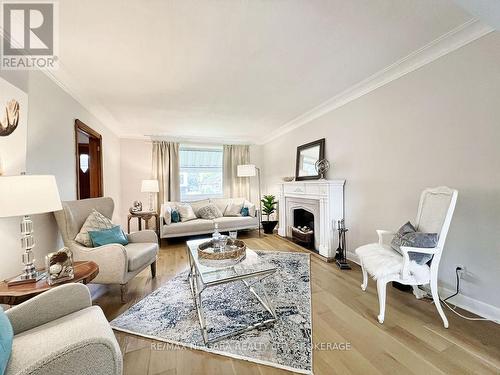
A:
[381,290]
[418,293]
[365,278]
[435,297]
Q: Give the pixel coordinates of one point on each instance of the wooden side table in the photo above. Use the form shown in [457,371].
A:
[146,216]
[85,272]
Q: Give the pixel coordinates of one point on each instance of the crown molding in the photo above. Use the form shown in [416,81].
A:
[449,42]
[188,139]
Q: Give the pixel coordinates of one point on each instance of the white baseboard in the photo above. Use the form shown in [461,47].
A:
[472,305]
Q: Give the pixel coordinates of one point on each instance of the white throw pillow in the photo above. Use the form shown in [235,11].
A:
[95,221]
[186,212]
[251,208]
[233,209]
[167,214]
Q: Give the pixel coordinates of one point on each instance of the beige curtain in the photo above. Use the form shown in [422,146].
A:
[234,186]
[166,171]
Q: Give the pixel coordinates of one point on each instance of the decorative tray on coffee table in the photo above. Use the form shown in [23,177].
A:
[234,249]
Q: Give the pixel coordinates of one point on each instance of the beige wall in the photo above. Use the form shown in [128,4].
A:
[51,150]
[135,166]
[439,125]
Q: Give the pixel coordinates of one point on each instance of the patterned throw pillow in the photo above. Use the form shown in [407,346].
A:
[422,240]
[209,212]
[95,221]
[244,211]
[407,235]
[398,237]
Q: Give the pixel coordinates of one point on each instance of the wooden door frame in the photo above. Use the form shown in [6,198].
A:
[82,127]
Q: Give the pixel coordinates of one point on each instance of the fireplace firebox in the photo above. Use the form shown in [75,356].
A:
[303,228]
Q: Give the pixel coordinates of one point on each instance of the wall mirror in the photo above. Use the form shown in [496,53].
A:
[307,156]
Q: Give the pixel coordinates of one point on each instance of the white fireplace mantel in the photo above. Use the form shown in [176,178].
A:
[324,199]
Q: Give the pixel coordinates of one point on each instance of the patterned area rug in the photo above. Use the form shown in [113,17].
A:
[169,315]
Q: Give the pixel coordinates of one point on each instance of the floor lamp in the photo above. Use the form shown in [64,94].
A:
[250,170]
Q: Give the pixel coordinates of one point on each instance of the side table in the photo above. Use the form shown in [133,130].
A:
[146,216]
[85,272]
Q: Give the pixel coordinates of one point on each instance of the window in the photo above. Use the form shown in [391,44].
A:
[200,172]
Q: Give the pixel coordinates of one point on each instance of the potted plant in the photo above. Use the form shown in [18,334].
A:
[268,208]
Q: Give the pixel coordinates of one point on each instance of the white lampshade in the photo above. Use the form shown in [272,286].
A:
[150,186]
[247,170]
[28,195]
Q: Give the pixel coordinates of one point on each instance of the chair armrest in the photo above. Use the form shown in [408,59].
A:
[143,236]
[384,234]
[405,272]
[48,306]
[421,250]
[111,259]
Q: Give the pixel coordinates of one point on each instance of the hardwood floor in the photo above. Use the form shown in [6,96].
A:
[411,341]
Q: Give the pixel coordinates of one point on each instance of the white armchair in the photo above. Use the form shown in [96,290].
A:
[60,332]
[384,264]
[117,263]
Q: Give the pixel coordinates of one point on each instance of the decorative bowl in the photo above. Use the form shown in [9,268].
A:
[234,249]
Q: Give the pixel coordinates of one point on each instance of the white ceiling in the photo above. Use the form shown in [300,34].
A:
[232,69]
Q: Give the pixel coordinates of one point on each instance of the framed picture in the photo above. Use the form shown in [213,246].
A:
[307,156]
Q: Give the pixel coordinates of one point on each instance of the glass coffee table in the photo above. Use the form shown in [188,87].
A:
[251,271]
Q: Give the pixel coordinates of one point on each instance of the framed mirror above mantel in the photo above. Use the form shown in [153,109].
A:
[307,157]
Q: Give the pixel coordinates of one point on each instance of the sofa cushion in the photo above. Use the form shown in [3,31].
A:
[196,205]
[221,203]
[6,336]
[138,254]
[234,207]
[236,222]
[209,212]
[52,347]
[250,206]
[186,212]
[192,226]
[167,214]
[95,221]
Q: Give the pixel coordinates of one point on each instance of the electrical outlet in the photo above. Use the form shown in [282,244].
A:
[461,269]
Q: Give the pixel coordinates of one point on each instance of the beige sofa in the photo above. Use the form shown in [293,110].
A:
[203,226]
[60,332]
[117,263]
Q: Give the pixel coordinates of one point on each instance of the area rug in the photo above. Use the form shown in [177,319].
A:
[169,315]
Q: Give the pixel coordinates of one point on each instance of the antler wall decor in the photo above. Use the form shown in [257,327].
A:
[11,118]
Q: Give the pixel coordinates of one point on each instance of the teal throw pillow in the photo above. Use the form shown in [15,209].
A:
[244,211]
[108,236]
[176,217]
[6,337]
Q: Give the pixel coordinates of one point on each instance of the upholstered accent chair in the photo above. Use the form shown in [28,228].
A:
[60,332]
[385,264]
[118,264]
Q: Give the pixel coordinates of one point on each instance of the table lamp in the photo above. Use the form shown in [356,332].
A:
[23,196]
[250,170]
[150,186]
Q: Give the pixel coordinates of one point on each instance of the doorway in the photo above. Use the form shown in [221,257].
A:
[88,145]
